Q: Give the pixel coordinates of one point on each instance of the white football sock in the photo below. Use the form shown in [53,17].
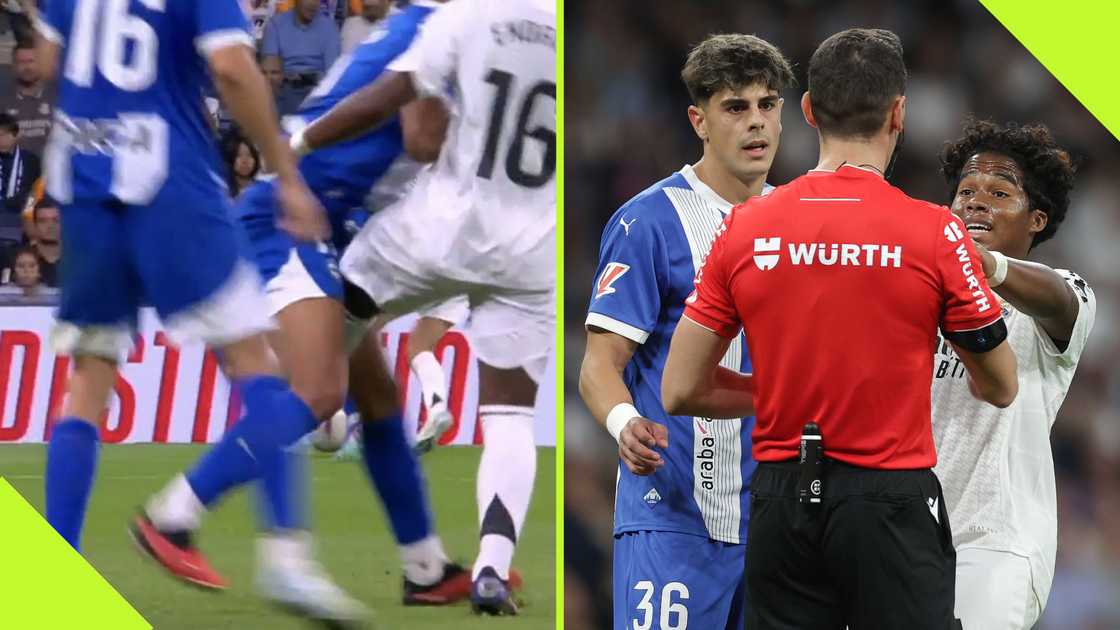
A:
[175,508]
[505,483]
[432,379]
[424,560]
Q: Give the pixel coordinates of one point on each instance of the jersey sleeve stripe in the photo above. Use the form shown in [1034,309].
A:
[213,41]
[48,32]
[632,333]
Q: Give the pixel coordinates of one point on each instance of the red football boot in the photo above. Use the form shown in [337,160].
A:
[177,554]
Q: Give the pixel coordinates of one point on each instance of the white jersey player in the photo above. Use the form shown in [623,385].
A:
[1011,188]
[480,222]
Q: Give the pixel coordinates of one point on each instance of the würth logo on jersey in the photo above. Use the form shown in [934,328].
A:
[766,252]
[978,295]
[953,232]
[612,272]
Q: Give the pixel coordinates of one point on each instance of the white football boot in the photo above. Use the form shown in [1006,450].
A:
[289,577]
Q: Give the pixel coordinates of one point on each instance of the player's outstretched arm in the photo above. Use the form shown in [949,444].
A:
[424,127]
[695,384]
[606,395]
[1036,290]
[993,374]
[245,92]
[363,110]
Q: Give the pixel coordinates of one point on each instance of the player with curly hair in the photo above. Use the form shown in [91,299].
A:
[1010,185]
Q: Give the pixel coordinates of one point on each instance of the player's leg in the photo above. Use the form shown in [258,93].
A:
[994,590]
[95,320]
[430,577]
[511,335]
[216,296]
[673,580]
[429,329]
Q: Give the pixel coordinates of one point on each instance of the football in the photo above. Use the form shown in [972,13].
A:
[329,436]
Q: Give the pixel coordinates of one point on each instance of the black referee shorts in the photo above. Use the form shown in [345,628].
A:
[875,554]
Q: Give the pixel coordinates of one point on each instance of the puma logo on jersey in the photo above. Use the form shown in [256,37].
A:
[625,225]
[653,497]
[612,272]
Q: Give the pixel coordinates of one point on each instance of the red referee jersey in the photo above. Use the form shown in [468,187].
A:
[840,282]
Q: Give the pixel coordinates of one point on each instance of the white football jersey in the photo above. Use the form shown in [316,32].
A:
[995,465]
[489,202]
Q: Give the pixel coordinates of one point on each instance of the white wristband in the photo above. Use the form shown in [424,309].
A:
[1000,274]
[298,144]
[618,417]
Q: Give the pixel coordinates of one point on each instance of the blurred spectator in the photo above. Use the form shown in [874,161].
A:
[260,11]
[19,167]
[14,27]
[26,276]
[305,41]
[357,28]
[30,101]
[243,161]
[287,101]
[46,242]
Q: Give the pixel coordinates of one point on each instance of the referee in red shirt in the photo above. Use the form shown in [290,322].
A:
[840,282]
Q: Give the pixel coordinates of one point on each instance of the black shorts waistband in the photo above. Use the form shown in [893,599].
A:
[840,479]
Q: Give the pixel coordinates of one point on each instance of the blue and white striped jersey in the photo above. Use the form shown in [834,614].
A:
[649,254]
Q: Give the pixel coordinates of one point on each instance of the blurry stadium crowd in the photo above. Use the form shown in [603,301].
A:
[627,128]
[297,41]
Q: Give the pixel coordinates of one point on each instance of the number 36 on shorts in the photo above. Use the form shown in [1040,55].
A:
[673,607]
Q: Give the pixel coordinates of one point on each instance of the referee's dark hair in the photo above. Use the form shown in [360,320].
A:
[854,76]
[1048,169]
[734,61]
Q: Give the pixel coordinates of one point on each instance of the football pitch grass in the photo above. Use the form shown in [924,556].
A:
[352,534]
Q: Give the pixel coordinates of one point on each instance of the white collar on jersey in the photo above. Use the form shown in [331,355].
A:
[704,190]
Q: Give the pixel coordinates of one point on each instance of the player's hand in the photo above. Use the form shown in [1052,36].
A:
[636,442]
[304,217]
[987,261]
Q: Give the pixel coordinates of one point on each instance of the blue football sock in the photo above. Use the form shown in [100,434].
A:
[71,465]
[282,494]
[396,474]
[274,419]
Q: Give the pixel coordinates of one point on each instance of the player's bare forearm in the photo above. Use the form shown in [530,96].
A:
[1041,293]
[46,52]
[993,375]
[600,375]
[424,127]
[361,111]
[695,384]
[246,94]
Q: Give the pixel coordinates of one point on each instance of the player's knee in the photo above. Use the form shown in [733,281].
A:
[324,398]
[498,386]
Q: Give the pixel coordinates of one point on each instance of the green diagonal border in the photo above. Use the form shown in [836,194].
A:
[39,570]
[1075,42]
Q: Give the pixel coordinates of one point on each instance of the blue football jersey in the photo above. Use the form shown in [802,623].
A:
[133,75]
[350,169]
[649,254]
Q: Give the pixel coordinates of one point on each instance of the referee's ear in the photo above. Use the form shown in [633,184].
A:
[807,110]
[699,122]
